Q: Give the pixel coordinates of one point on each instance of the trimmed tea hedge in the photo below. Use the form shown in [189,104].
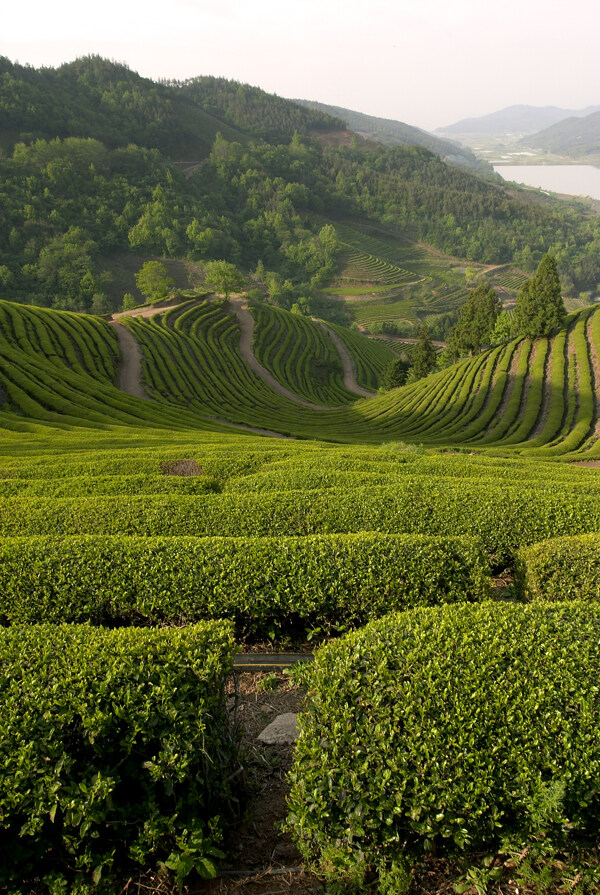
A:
[561,569]
[503,517]
[448,728]
[261,583]
[113,744]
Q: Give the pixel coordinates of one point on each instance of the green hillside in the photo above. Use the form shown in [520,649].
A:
[101,165]
[214,473]
[397,133]
[573,137]
[525,398]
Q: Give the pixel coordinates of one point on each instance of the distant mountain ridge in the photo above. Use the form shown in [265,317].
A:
[518,119]
[390,132]
[575,137]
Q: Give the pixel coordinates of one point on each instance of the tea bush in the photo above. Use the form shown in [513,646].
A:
[445,729]
[560,569]
[114,745]
[264,584]
[504,517]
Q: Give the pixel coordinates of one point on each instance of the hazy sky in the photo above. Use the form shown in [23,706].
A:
[425,62]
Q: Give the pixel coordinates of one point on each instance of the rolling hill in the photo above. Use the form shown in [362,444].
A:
[575,137]
[210,365]
[397,133]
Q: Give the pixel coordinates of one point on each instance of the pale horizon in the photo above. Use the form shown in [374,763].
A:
[427,63]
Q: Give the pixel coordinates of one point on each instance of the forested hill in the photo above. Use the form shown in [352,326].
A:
[93,97]
[256,112]
[397,133]
[575,137]
[101,187]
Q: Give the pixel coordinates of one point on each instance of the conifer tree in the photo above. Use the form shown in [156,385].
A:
[423,357]
[539,309]
[476,321]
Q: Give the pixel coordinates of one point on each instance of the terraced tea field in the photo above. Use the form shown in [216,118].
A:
[144,540]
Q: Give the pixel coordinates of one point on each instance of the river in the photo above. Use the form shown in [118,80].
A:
[572,180]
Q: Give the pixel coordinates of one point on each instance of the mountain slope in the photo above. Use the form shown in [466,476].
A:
[397,133]
[575,137]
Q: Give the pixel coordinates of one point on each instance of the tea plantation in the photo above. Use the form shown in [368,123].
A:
[144,540]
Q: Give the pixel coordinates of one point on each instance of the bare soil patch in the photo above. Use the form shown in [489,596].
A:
[181,467]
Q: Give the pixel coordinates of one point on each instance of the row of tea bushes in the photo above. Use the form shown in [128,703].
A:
[560,569]
[263,584]
[115,751]
[503,517]
[450,729]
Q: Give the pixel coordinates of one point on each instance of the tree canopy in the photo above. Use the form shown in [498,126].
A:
[423,357]
[476,321]
[540,309]
[223,277]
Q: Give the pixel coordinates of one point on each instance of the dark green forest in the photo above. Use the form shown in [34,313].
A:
[89,170]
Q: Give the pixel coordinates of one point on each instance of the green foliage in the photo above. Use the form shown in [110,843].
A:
[560,569]
[262,584]
[539,309]
[223,277]
[445,729]
[116,750]
[476,320]
[153,281]
[395,374]
[504,328]
[129,302]
[423,358]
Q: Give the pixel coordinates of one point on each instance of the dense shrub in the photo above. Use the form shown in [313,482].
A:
[504,517]
[560,569]
[449,728]
[113,744]
[264,584]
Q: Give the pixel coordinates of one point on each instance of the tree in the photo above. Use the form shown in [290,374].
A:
[476,320]
[129,302]
[394,374]
[539,309]
[423,357]
[153,280]
[504,328]
[223,277]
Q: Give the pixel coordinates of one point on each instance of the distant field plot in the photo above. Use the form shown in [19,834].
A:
[365,313]
[510,280]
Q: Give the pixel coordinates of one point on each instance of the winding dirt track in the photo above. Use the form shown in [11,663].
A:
[130,372]
[347,365]
[246,322]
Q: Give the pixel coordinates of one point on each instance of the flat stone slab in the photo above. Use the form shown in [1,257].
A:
[283,730]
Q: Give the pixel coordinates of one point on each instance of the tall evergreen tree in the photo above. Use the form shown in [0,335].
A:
[476,320]
[423,357]
[539,309]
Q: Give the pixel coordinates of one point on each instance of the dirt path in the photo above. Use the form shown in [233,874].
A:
[268,432]
[145,312]
[347,364]
[130,372]
[246,322]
